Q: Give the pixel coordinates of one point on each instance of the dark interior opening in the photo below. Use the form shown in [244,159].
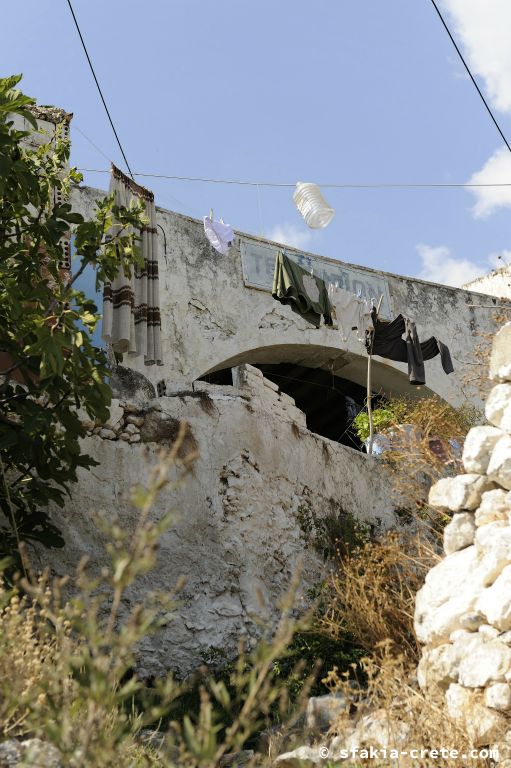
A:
[219,377]
[329,402]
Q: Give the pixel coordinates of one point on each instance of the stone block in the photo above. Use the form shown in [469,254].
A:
[500,360]
[454,494]
[438,667]
[494,507]
[498,406]
[270,384]
[252,370]
[376,729]
[495,602]
[499,468]
[488,632]
[116,414]
[466,708]
[136,420]
[479,444]
[459,533]
[107,434]
[323,711]
[471,621]
[487,663]
[453,587]
[239,378]
[498,696]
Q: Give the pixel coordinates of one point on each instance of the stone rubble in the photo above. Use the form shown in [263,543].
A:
[463,611]
[133,421]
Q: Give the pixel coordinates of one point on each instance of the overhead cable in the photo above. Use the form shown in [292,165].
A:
[347,185]
[471,76]
[99,87]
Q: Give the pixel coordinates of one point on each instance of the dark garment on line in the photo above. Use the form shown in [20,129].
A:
[306,295]
[388,342]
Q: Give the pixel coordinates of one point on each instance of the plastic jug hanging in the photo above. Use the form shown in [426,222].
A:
[315,210]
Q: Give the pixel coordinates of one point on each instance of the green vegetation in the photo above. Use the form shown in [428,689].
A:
[430,415]
[48,365]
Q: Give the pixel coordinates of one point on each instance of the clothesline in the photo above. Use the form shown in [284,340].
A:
[286,185]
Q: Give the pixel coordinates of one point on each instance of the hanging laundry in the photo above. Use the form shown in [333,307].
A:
[353,314]
[131,309]
[306,294]
[220,235]
[388,342]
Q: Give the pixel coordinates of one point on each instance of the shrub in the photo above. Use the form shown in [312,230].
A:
[67,663]
[371,594]
[48,365]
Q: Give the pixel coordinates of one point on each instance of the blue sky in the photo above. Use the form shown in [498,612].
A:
[289,90]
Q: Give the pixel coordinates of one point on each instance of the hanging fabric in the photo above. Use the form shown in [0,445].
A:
[131,308]
[353,314]
[388,342]
[220,235]
[306,294]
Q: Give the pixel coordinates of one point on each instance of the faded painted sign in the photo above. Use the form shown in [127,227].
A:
[258,264]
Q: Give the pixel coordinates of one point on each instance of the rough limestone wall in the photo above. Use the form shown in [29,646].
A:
[463,612]
[249,512]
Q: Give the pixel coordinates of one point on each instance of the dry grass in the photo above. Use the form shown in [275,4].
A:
[372,593]
[409,719]
[427,447]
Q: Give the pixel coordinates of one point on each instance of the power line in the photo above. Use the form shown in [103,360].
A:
[186,207]
[471,76]
[376,185]
[99,87]
[87,138]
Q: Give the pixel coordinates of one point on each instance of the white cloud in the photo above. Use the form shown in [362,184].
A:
[291,234]
[440,266]
[497,170]
[481,27]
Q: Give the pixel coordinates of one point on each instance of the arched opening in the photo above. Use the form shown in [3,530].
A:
[327,384]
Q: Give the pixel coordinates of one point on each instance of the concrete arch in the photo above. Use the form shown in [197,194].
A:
[388,379]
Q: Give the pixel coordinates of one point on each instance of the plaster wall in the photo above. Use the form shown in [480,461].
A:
[211,320]
[496,283]
[249,513]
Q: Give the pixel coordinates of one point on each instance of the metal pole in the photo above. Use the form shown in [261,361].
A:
[369,385]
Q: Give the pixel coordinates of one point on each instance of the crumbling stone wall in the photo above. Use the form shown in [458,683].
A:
[463,612]
[239,534]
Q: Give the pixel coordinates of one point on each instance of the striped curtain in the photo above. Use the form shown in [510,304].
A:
[131,309]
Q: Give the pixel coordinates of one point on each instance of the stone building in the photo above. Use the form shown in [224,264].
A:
[268,399]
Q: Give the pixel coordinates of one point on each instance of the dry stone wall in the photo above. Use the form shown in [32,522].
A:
[463,611]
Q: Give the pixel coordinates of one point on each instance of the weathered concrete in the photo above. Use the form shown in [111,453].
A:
[211,320]
[250,511]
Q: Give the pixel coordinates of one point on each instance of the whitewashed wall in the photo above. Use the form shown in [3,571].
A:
[210,320]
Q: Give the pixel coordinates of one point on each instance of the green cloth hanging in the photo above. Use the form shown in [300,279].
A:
[306,294]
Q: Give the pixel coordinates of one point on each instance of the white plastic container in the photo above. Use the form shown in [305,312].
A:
[315,210]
